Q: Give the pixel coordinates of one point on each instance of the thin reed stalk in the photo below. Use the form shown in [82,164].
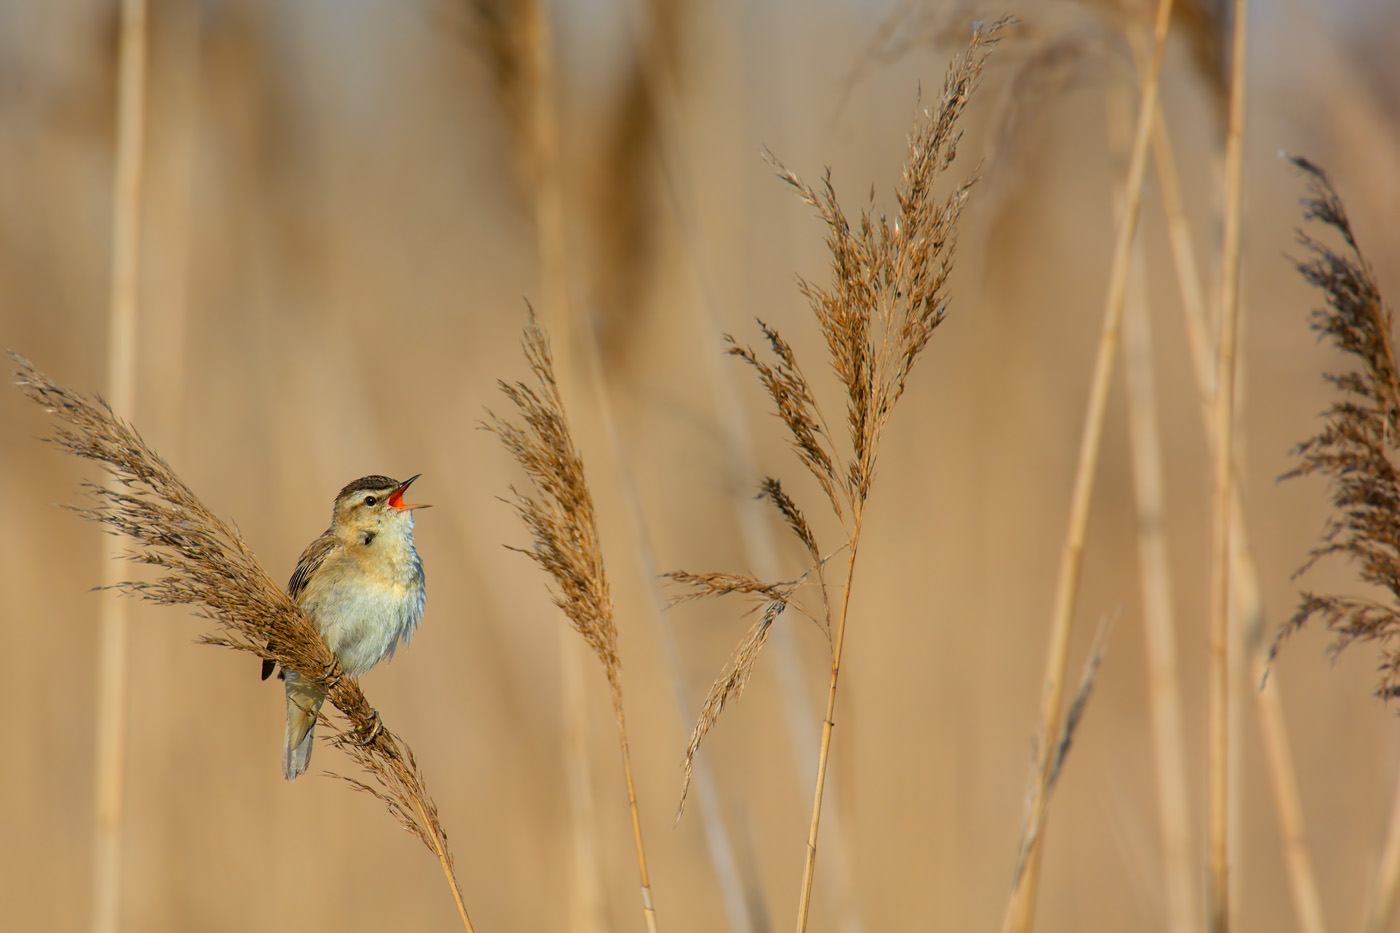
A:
[1380,907]
[1158,612]
[114,617]
[1244,581]
[886,299]
[1159,622]
[1020,910]
[563,524]
[1188,276]
[587,905]
[203,562]
[1218,902]
[1288,804]
[828,722]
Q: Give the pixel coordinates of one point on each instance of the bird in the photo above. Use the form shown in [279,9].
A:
[361,583]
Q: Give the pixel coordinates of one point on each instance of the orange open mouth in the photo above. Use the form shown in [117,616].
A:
[396,497]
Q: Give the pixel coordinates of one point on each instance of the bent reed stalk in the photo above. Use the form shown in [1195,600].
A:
[203,562]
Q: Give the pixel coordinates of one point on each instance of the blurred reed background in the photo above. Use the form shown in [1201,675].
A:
[344,204]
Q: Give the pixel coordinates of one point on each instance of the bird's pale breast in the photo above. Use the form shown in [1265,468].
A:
[363,603]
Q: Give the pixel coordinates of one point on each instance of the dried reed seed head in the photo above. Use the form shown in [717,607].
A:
[205,564]
[1357,445]
[772,490]
[706,585]
[728,687]
[887,293]
[797,407]
[561,518]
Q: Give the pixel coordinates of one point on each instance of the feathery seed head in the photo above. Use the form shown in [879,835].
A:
[204,563]
[1359,444]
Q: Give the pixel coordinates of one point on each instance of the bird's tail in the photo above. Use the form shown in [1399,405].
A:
[303,703]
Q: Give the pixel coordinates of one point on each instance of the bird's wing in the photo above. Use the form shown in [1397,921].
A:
[311,558]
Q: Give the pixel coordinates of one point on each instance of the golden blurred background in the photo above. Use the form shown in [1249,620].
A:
[339,235]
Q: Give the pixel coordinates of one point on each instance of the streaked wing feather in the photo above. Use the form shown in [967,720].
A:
[311,558]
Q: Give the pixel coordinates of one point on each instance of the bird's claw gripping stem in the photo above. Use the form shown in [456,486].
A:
[373,732]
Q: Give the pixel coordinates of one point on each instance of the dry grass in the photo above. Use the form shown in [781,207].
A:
[1159,614]
[564,528]
[886,298]
[1224,744]
[1356,447]
[932,789]
[202,562]
[1355,450]
[1020,909]
[1244,583]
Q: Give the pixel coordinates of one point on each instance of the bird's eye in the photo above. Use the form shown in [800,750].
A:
[370,500]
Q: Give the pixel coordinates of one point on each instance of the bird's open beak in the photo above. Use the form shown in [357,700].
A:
[396,497]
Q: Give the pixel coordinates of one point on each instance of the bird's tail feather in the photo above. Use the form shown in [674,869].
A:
[303,704]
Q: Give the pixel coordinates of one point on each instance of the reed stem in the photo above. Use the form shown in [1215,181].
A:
[1380,912]
[1021,908]
[810,867]
[1268,702]
[446,863]
[114,618]
[648,907]
[1158,612]
[1218,904]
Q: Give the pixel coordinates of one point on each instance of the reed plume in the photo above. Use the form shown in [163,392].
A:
[1357,446]
[203,562]
[887,296]
[564,528]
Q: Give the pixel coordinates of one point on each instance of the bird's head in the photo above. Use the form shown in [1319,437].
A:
[373,505]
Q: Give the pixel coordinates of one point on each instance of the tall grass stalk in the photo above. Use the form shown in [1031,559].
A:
[114,618]
[1159,620]
[1218,902]
[1244,581]
[1154,567]
[1380,907]
[1283,780]
[886,298]
[1021,907]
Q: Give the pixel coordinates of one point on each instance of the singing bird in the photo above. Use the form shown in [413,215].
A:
[361,583]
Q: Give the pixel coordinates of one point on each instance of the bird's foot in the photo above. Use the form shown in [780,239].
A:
[367,736]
